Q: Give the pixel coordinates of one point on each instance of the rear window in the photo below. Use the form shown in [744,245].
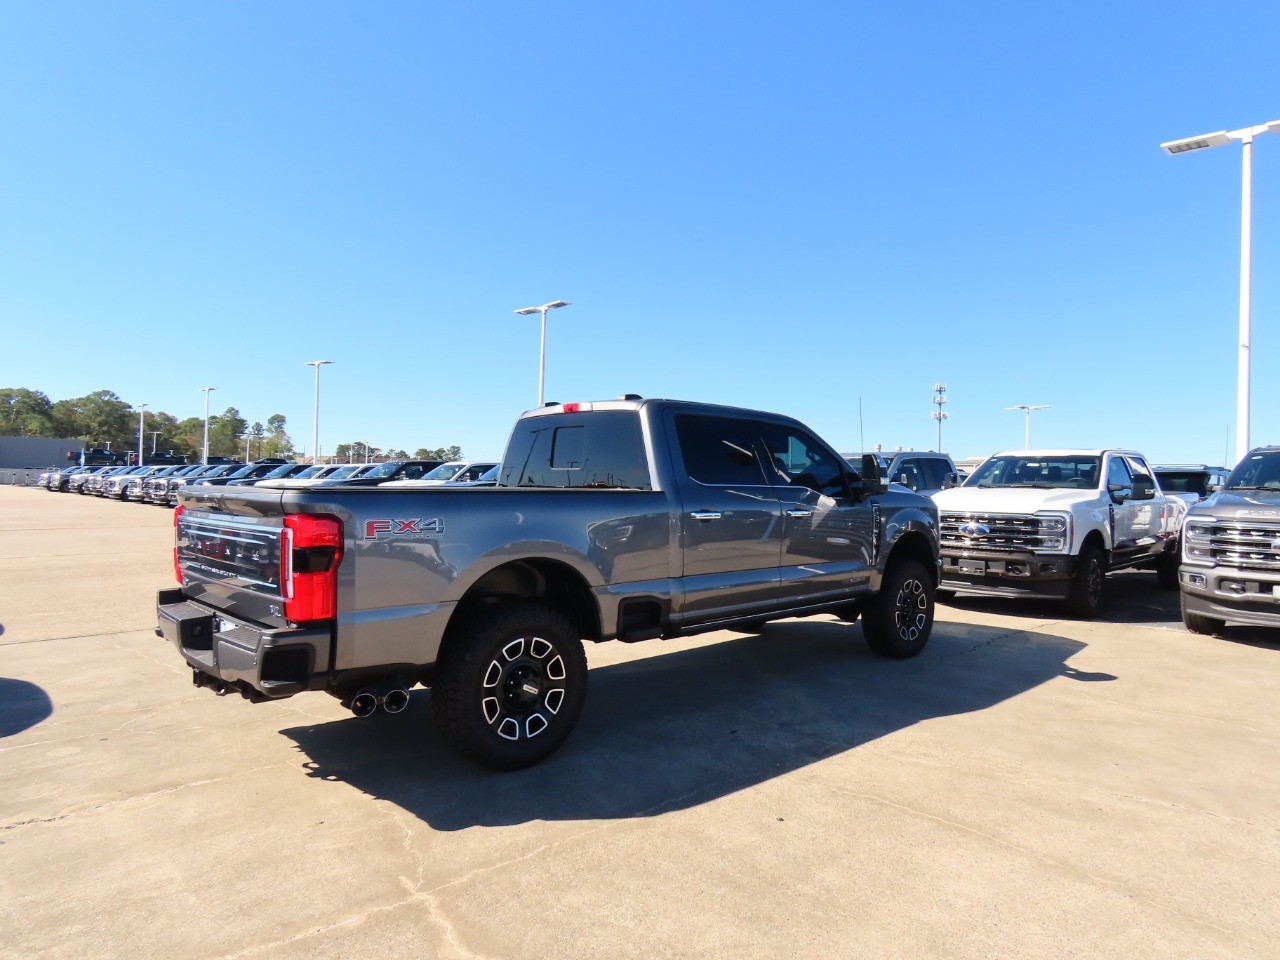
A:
[1184,481]
[591,450]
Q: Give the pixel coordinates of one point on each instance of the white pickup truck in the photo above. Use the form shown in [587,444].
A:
[1052,523]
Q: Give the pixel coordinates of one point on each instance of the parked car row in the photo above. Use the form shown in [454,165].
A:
[160,484]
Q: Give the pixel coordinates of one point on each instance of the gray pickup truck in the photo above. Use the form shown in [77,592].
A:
[622,520]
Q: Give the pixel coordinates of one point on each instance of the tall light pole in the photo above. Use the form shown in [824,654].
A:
[154,434]
[205,456]
[142,413]
[542,353]
[1245,135]
[315,416]
[1026,439]
[939,398]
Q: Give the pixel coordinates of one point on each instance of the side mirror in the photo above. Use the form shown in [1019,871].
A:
[952,480]
[871,480]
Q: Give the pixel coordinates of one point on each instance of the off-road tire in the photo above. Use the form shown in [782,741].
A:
[1198,623]
[898,620]
[510,684]
[1084,600]
[1167,571]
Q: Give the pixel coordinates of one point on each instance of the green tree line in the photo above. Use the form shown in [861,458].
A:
[102,419]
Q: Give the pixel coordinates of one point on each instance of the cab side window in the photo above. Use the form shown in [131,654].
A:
[796,459]
[719,451]
[1118,479]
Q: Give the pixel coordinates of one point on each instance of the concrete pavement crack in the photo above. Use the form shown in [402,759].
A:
[139,798]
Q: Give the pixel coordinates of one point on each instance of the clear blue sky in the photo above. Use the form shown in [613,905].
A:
[782,206]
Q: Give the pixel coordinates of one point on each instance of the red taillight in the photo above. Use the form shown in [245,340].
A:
[310,550]
[177,570]
[572,407]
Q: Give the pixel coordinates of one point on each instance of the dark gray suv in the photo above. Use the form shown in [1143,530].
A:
[923,471]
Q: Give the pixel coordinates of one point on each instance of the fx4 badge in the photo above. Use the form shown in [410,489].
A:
[417,529]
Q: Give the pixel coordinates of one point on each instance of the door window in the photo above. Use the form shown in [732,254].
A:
[1118,479]
[719,451]
[797,459]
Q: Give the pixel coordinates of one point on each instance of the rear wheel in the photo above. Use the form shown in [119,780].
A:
[1198,623]
[898,620]
[1085,597]
[511,685]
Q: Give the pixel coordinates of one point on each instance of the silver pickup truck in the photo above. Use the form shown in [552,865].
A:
[622,520]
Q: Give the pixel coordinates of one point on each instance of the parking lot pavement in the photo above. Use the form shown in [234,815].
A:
[1029,786]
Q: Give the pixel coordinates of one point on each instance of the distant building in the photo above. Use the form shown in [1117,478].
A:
[37,452]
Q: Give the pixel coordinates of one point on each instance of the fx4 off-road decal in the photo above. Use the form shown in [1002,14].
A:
[415,529]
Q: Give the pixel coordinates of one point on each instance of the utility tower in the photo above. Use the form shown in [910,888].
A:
[939,398]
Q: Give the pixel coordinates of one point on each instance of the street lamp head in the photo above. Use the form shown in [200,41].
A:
[1029,407]
[316,363]
[1202,142]
[554,304]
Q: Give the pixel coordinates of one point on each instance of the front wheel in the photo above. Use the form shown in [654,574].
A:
[1198,623]
[898,620]
[510,685]
[1085,597]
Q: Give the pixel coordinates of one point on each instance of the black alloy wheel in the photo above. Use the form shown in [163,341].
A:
[511,684]
[897,622]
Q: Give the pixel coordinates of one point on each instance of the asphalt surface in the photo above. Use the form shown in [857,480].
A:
[1029,786]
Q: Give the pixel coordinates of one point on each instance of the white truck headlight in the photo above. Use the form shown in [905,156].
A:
[1055,532]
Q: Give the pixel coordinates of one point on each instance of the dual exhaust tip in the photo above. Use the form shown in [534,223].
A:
[366,702]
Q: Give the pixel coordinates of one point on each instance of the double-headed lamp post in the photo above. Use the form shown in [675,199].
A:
[542,354]
[1027,408]
[206,391]
[142,413]
[1245,136]
[315,415]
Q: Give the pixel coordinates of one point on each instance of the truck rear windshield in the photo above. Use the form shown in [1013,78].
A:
[596,450]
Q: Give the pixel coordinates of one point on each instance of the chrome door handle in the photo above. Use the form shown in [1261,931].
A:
[705,515]
[799,513]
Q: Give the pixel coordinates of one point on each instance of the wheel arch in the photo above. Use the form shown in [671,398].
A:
[915,545]
[550,582]
[1095,538]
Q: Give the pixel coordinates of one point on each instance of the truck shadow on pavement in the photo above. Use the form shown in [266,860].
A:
[1129,597]
[22,705]
[1132,597]
[684,727]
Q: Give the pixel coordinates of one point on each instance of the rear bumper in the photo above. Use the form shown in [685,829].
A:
[259,662]
[1009,574]
[1239,596]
